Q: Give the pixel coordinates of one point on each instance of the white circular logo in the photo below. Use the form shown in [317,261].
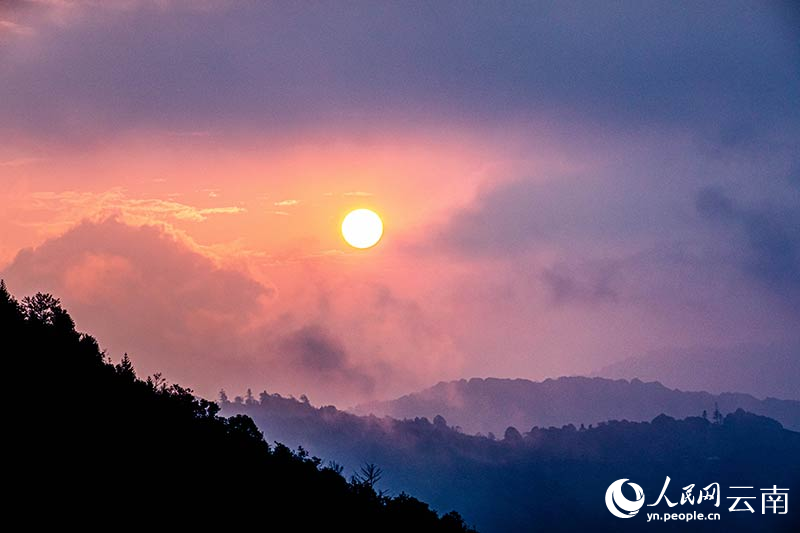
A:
[616,501]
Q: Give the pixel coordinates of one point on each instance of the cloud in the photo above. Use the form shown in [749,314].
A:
[516,217]
[358,194]
[768,236]
[7,26]
[501,220]
[202,133]
[286,203]
[179,309]
[559,268]
[141,290]
[313,347]
[315,351]
[74,205]
[590,286]
[19,161]
[276,68]
[199,215]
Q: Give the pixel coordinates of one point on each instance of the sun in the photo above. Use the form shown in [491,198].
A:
[362,228]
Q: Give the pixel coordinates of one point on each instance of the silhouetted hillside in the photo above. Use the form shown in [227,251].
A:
[548,479]
[93,444]
[490,405]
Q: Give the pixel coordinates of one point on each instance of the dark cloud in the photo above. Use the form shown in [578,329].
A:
[315,351]
[712,202]
[314,348]
[504,219]
[567,286]
[516,217]
[276,67]
[769,237]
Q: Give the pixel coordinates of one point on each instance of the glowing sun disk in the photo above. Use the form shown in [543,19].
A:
[362,228]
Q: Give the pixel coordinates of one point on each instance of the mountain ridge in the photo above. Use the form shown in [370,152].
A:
[483,405]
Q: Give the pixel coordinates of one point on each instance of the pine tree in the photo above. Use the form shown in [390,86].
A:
[717,416]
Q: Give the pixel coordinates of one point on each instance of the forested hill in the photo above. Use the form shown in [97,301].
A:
[549,478]
[94,444]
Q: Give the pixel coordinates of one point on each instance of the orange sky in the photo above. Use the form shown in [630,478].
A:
[273,213]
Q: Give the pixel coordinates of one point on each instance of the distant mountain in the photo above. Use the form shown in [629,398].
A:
[762,371]
[550,479]
[492,404]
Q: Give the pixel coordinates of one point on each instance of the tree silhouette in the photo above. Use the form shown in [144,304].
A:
[717,416]
[125,368]
[336,467]
[369,475]
[46,310]
[512,434]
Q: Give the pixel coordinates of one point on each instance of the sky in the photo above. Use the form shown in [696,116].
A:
[564,185]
